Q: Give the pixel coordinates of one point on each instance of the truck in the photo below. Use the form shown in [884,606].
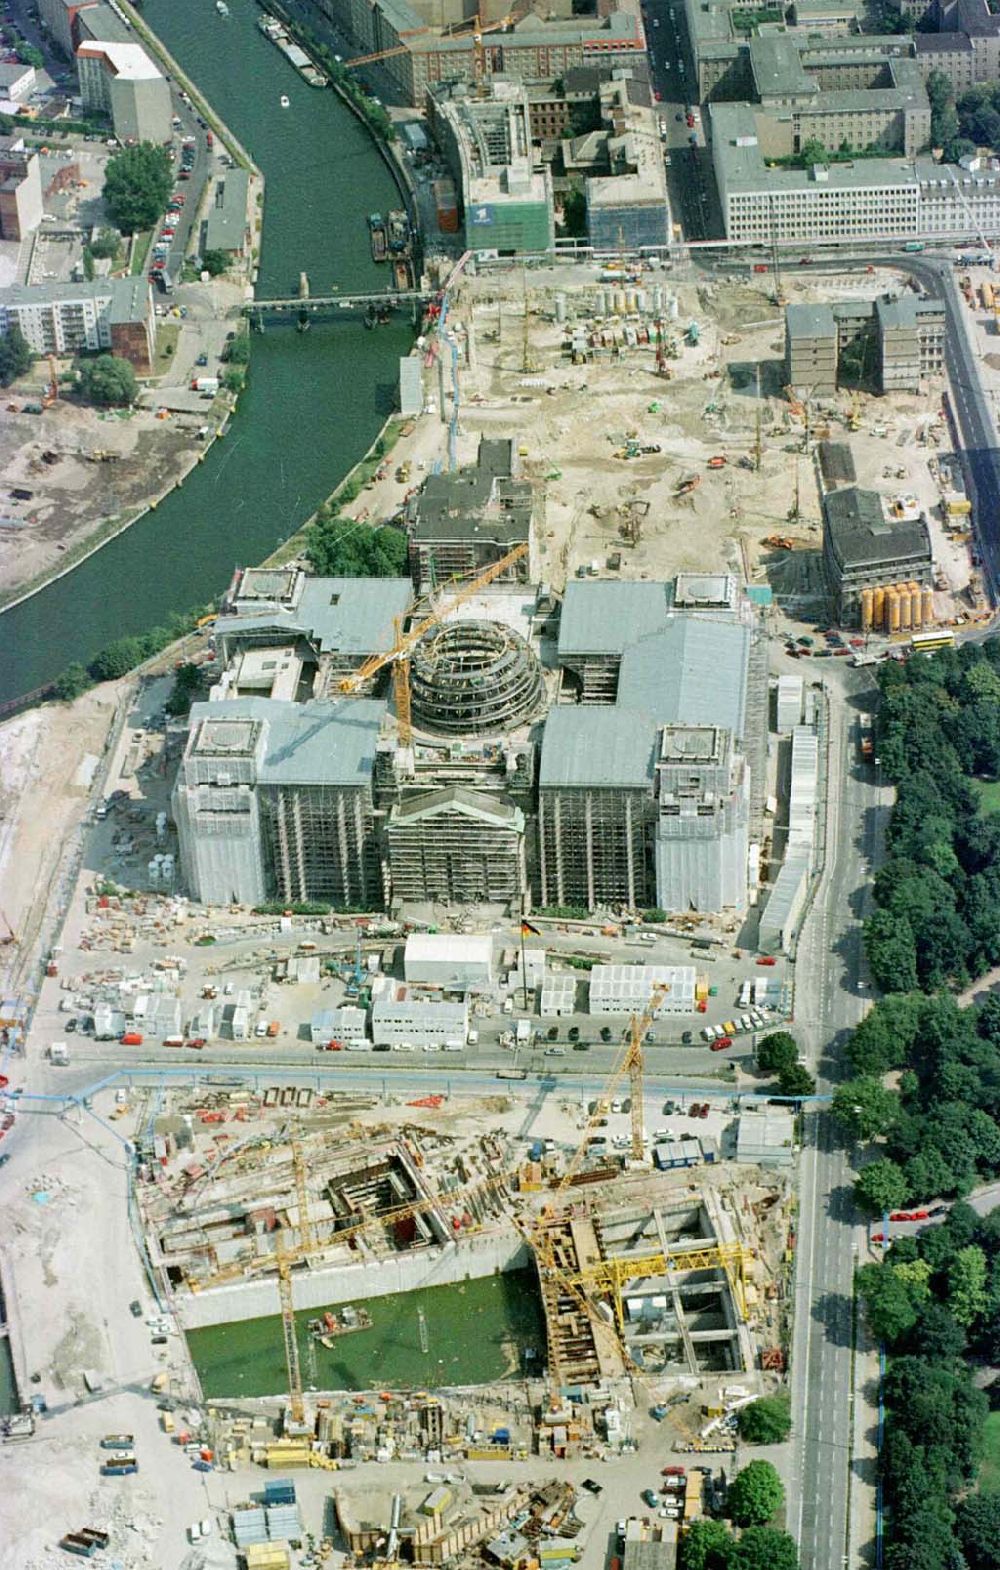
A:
[59,1053]
[914,245]
[866,737]
[205,384]
[120,1466]
[522,1032]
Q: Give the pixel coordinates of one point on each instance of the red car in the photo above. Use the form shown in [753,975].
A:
[197,1042]
[672,1471]
[720,1045]
[767,959]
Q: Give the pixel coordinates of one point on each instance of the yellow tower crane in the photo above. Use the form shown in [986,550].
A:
[405,642]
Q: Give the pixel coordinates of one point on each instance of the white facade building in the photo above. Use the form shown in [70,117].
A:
[120,80]
[627,989]
[789,712]
[400,1015]
[442,959]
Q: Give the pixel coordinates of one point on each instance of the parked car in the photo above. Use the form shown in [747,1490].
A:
[135,1308]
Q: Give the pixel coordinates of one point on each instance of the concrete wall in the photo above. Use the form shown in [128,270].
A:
[467,1261]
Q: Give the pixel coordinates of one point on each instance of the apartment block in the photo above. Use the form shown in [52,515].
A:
[113,314]
[58,17]
[624,180]
[121,81]
[20,189]
[865,548]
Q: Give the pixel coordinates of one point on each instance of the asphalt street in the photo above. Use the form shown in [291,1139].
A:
[832,993]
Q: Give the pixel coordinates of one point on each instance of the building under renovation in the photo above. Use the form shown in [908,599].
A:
[624,765]
[460,522]
[274,800]
[649,784]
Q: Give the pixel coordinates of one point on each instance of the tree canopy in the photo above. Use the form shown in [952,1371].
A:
[15,356]
[767,1421]
[706,1545]
[107,381]
[215,263]
[755,1494]
[763,1548]
[341,548]
[137,186]
[777,1052]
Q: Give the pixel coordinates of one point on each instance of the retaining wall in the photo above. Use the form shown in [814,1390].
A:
[437,1267]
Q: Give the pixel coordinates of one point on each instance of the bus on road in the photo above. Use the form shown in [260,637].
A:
[927,642]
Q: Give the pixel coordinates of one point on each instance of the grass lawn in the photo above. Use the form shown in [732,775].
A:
[140,252]
[988,792]
[989,1472]
[167,334]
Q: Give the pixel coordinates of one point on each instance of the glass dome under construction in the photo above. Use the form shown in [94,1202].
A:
[474,678]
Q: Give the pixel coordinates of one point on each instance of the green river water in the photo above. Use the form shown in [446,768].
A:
[476,1333]
[314,401]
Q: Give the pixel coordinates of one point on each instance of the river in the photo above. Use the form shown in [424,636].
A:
[314,401]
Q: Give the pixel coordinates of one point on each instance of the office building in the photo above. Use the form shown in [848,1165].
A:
[456,847]
[873,198]
[959,37]
[901,339]
[528,49]
[113,314]
[624,179]
[866,548]
[506,198]
[121,81]
[20,189]
[461,522]
[701,841]
[273,800]
[911,339]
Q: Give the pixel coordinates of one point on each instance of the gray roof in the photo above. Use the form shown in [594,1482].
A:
[597,745]
[227,217]
[318,743]
[692,673]
[340,615]
[809,321]
[601,616]
[907,310]
[471,803]
[129,297]
[860,533]
[484,501]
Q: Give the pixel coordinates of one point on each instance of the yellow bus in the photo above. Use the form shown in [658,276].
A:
[926,642]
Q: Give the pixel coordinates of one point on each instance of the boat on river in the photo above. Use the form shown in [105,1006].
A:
[331,1325]
[376,230]
[284,100]
[221,7]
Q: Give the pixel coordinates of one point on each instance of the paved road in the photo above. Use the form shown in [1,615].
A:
[831,1001]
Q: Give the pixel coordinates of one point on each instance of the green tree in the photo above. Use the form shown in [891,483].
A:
[977,1525]
[137,185]
[892,951]
[575,213]
[767,1421]
[341,548]
[937,1337]
[233,378]
[887,1301]
[864,1108]
[881,1186]
[655,916]
[796,1080]
[776,1052]
[15,356]
[215,263]
[107,381]
[755,1494]
[106,245]
[967,1296]
[120,657]
[29,55]
[813,152]
[706,1545]
[763,1548]
[71,682]
[237,351]
[187,682]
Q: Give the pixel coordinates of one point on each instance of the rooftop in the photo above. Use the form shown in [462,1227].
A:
[317,743]
[597,746]
[601,616]
[126,299]
[129,62]
[227,217]
[860,533]
[810,321]
[694,672]
[352,616]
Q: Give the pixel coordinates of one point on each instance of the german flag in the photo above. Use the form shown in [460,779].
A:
[528,931]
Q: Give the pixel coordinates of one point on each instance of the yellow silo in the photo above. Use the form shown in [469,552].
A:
[867,602]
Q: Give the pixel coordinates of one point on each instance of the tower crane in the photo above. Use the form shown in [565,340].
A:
[405,642]
[480,60]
